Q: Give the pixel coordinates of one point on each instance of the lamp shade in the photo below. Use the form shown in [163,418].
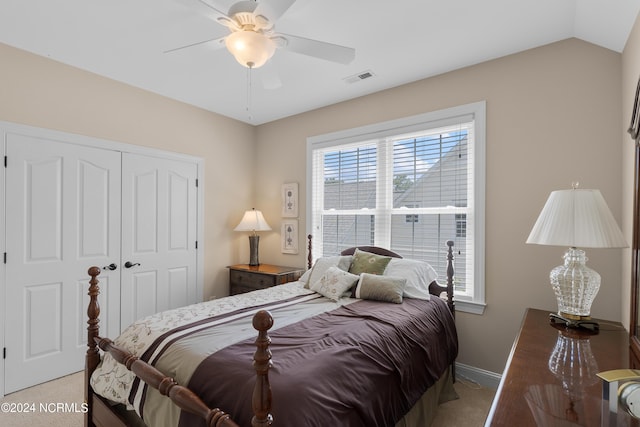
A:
[250,48]
[577,218]
[253,220]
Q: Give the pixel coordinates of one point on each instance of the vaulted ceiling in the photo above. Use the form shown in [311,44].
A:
[397,42]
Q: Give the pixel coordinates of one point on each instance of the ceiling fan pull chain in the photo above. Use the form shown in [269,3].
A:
[249,92]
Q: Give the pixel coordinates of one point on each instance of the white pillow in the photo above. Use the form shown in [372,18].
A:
[419,275]
[334,282]
[305,277]
[322,265]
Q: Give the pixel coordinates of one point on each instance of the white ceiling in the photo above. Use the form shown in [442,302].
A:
[398,41]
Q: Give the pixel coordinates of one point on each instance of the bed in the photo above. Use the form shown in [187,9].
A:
[376,353]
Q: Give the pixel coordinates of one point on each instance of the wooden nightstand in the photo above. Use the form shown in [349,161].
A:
[550,377]
[246,278]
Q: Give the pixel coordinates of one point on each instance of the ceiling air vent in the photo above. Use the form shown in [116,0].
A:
[359,77]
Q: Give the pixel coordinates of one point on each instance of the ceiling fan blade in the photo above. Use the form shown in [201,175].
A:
[273,9]
[207,9]
[318,49]
[216,43]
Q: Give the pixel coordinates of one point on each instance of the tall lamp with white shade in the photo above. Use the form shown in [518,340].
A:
[577,218]
[253,221]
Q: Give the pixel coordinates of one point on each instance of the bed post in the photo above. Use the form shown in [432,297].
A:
[450,301]
[261,401]
[437,289]
[309,253]
[93,330]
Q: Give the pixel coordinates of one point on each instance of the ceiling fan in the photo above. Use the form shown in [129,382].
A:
[253,39]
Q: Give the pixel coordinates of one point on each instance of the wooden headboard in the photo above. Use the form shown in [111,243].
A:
[435,288]
[372,249]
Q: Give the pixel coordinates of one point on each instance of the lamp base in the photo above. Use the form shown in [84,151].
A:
[254,241]
[575,286]
[575,321]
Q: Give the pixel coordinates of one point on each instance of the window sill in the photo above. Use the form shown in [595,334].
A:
[470,307]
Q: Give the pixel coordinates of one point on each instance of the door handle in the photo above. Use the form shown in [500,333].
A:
[130,264]
[111,267]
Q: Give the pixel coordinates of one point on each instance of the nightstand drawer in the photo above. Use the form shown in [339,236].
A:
[251,280]
[246,278]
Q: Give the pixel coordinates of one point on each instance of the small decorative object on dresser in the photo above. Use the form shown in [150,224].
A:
[246,278]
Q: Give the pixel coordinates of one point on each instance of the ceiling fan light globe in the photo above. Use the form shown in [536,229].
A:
[251,49]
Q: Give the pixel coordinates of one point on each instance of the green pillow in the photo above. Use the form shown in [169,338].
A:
[366,262]
[380,288]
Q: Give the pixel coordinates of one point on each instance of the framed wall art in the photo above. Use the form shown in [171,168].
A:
[289,235]
[290,200]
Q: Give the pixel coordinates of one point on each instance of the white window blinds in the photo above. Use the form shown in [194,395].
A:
[409,188]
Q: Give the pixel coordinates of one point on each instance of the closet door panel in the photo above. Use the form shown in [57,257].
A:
[63,216]
[159,214]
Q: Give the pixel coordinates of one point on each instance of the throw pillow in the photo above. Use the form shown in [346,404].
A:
[334,283]
[322,265]
[419,275]
[380,288]
[366,262]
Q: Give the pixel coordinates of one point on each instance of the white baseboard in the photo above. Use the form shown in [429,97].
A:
[484,378]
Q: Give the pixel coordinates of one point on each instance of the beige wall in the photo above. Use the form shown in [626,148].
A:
[553,117]
[39,92]
[630,73]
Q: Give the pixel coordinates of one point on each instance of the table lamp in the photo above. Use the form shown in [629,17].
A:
[253,221]
[576,218]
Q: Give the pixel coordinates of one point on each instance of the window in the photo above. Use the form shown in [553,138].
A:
[409,185]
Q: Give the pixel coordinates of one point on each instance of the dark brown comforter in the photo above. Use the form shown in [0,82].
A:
[364,364]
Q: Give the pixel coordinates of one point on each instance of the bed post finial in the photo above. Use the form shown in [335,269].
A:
[261,401]
[93,330]
[310,254]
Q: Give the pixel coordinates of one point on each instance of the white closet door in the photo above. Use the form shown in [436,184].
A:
[63,216]
[159,214]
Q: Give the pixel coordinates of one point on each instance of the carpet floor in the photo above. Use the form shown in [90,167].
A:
[470,410]
[59,403]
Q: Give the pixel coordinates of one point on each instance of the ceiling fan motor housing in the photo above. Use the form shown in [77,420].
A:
[243,7]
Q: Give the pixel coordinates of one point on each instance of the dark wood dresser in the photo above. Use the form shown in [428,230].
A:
[246,278]
[550,377]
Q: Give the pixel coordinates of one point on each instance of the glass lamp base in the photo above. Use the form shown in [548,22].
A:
[575,286]
[583,322]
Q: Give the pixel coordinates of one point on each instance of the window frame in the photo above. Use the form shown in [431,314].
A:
[439,118]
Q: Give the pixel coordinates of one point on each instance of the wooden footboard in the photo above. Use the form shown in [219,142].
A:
[100,414]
